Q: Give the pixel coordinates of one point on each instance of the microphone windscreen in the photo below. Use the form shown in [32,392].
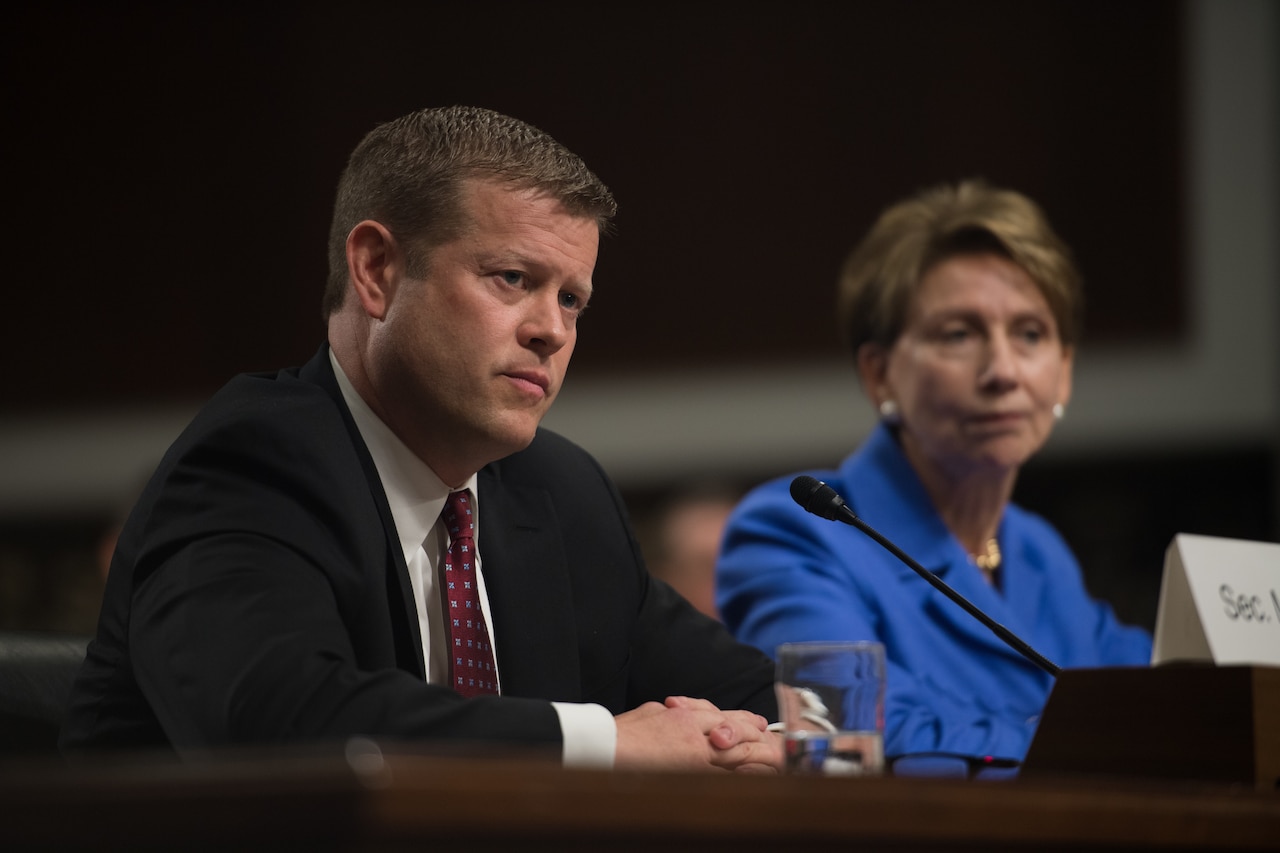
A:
[816,497]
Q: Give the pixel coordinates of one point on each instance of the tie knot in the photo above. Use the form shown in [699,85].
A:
[458,517]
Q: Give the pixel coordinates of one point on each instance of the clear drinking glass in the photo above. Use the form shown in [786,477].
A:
[831,699]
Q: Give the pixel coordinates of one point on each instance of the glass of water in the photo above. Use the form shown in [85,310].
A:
[831,698]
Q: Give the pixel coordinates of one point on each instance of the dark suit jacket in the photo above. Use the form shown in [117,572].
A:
[258,594]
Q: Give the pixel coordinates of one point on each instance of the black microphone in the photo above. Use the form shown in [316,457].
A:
[822,500]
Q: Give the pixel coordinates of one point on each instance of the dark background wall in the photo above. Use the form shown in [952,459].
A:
[173,166]
[171,173]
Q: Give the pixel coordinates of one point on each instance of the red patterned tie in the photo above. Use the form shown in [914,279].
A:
[471,662]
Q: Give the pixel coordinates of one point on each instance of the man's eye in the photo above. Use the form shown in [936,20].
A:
[572,302]
[512,277]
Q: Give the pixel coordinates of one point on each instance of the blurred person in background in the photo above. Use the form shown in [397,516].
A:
[961,310]
[685,541]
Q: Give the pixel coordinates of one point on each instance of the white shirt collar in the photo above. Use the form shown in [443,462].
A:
[416,495]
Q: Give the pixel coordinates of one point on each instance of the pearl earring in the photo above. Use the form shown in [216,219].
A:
[889,412]
[1059,411]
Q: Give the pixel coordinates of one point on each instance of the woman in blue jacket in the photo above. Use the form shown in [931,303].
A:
[961,308]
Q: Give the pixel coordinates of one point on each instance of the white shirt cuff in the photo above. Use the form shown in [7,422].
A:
[590,735]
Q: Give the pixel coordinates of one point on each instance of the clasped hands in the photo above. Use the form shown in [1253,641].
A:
[693,734]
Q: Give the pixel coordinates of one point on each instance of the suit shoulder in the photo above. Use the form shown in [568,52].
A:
[261,410]
[263,428]
[557,467]
[548,453]
[266,396]
[267,453]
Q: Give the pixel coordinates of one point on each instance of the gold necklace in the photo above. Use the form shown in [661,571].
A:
[989,561]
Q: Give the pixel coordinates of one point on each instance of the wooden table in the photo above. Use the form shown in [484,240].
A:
[375,798]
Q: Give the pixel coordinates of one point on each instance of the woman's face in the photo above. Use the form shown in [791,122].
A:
[977,370]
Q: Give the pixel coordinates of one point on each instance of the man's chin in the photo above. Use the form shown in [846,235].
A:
[516,437]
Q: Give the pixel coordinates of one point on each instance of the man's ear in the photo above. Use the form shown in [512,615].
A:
[373,266]
[873,368]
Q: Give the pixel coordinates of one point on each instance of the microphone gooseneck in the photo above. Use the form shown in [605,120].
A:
[820,499]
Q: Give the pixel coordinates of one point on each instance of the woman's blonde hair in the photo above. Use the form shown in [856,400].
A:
[882,274]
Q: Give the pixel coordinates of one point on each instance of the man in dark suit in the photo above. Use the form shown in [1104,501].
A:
[287,575]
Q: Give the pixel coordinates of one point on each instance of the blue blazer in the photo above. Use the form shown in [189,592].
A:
[785,575]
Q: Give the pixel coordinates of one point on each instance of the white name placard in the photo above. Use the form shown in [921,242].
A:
[1219,601]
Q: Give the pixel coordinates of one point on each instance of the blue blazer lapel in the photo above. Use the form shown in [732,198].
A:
[1025,591]
[943,556]
[892,500]
[968,582]
[530,595]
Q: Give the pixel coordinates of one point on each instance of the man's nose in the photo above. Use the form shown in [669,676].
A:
[544,326]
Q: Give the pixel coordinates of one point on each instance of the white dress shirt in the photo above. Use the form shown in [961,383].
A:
[417,497]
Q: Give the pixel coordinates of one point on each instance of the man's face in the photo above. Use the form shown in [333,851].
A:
[468,359]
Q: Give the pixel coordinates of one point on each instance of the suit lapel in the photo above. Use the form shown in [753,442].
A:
[404,622]
[526,578]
